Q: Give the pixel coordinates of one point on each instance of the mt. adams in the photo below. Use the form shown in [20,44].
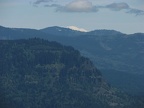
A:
[77,29]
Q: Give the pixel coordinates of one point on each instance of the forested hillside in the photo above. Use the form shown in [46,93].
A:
[36,73]
[118,56]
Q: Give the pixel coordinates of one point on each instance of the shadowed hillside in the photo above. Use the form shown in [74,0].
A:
[119,56]
[36,73]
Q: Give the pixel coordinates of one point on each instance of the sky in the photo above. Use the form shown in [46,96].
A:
[126,16]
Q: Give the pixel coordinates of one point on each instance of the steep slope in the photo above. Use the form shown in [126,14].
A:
[117,55]
[36,73]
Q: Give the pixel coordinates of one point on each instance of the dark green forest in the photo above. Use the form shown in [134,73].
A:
[36,73]
[118,56]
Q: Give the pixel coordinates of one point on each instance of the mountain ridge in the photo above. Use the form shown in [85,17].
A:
[56,30]
[59,28]
[118,56]
[45,74]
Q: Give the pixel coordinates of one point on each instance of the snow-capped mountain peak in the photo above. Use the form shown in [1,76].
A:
[76,28]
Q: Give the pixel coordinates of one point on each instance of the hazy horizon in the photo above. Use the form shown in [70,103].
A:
[125,16]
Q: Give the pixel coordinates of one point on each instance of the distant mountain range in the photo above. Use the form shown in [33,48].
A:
[119,56]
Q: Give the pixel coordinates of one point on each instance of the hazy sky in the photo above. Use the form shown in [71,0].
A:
[126,16]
